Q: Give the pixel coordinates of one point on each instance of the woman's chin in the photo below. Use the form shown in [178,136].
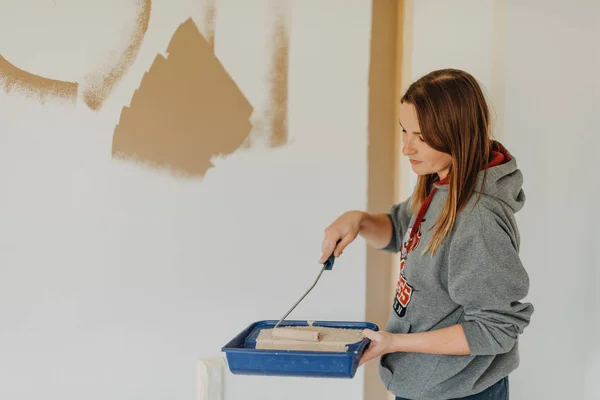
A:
[417,170]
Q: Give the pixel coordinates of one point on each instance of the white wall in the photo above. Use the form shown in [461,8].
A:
[546,61]
[551,108]
[116,278]
[444,36]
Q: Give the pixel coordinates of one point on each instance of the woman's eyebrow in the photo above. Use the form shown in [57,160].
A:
[415,133]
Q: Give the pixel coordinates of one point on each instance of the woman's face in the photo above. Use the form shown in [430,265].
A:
[423,159]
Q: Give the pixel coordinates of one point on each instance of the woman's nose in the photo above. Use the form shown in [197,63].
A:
[407,147]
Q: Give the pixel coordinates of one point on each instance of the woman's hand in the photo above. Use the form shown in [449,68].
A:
[381,343]
[346,227]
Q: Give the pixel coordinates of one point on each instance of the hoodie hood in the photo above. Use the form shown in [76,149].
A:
[500,179]
[503,180]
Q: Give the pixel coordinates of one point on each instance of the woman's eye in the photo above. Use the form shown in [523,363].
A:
[421,138]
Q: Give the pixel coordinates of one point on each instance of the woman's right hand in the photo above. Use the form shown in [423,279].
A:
[346,227]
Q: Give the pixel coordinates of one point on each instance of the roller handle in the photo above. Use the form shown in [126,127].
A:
[328,264]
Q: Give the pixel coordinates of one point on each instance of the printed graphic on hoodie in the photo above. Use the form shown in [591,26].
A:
[403,288]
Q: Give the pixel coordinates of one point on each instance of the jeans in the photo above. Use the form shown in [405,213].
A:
[498,391]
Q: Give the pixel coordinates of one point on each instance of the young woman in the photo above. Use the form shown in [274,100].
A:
[454,325]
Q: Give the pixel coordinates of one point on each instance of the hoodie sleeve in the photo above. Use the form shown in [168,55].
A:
[400,217]
[486,277]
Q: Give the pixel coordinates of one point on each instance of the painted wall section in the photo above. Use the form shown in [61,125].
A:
[27,24]
[279,74]
[100,84]
[210,15]
[15,79]
[186,111]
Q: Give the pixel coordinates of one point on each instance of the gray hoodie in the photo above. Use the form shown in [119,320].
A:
[475,279]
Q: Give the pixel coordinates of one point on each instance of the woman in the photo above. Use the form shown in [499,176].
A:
[454,326]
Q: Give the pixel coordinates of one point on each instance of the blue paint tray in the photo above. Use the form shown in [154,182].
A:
[244,359]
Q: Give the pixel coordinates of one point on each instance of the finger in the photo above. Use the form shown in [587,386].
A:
[328,245]
[346,240]
[328,240]
[327,250]
[322,259]
[370,334]
[366,357]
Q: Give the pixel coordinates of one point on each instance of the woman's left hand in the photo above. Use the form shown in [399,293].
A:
[381,343]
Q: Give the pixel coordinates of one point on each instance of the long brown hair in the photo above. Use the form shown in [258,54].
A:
[454,118]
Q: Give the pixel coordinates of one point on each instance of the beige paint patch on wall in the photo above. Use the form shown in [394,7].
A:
[15,79]
[277,109]
[96,87]
[100,84]
[186,110]
[210,14]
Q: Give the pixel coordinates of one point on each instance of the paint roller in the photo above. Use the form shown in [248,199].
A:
[288,333]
